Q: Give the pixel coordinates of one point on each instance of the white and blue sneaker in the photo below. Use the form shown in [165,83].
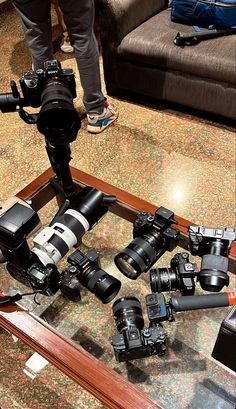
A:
[97,123]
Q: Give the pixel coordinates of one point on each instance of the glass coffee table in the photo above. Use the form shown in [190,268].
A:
[75,336]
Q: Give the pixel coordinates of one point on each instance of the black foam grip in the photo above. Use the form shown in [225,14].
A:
[196,302]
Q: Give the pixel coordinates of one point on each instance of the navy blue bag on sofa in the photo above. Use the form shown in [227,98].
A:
[204,13]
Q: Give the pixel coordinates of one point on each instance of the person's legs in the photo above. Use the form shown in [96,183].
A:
[36,20]
[79,19]
[65,46]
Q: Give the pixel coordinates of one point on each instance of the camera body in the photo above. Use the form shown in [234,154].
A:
[201,239]
[43,279]
[147,223]
[153,235]
[212,245]
[133,340]
[33,82]
[17,223]
[136,343]
[78,263]
[86,270]
[180,276]
[53,89]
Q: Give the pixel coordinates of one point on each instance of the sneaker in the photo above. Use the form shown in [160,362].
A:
[97,123]
[66,46]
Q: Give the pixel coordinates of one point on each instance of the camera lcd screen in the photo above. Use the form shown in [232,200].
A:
[37,274]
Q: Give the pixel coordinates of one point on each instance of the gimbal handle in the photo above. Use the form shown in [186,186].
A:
[196,302]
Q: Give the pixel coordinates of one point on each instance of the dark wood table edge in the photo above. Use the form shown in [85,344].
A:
[111,388]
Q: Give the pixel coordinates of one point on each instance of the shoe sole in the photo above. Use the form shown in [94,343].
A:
[98,129]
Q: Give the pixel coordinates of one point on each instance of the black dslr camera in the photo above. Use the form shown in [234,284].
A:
[133,340]
[34,83]
[86,270]
[153,235]
[213,246]
[16,224]
[179,276]
[52,88]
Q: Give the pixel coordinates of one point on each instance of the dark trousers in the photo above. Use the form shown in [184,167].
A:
[79,19]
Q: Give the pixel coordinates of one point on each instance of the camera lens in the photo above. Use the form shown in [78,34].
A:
[140,254]
[104,286]
[213,275]
[127,313]
[58,120]
[163,279]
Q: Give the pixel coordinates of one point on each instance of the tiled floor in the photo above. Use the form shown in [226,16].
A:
[166,157]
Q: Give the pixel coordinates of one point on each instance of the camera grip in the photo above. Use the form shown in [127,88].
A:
[203,301]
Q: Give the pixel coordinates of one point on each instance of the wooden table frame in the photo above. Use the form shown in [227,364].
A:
[104,383]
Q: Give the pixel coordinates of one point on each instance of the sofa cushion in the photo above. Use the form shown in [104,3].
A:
[152,43]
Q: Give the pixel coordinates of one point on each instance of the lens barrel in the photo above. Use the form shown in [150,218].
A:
[140,254]
[163,280]
[213,275]
[101,284]
[52,243]
[58,120]
[127,313]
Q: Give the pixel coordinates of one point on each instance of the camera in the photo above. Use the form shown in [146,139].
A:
[153,236]
[179,276]
[16,224]
[86,270]
[213,246]
[133,341]
[43,279]
[52,88]
[35,84]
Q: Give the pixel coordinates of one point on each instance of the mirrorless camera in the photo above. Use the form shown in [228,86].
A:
[213,246]
[133,340]
[52,88]
[179,276]
[86,270]
[153,236]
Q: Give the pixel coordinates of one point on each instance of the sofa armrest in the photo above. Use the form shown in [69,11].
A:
[117,18]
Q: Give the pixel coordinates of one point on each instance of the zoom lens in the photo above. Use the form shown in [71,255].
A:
[213,275]
[66,230]
[140,254]
[162,280]
[58,120]
[127,313]
[104,286]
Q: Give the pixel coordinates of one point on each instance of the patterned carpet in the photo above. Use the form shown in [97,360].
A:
[165,156]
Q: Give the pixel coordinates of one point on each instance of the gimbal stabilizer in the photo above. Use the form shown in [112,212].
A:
[53,89]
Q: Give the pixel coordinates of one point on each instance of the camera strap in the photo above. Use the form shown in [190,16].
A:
[9,299]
